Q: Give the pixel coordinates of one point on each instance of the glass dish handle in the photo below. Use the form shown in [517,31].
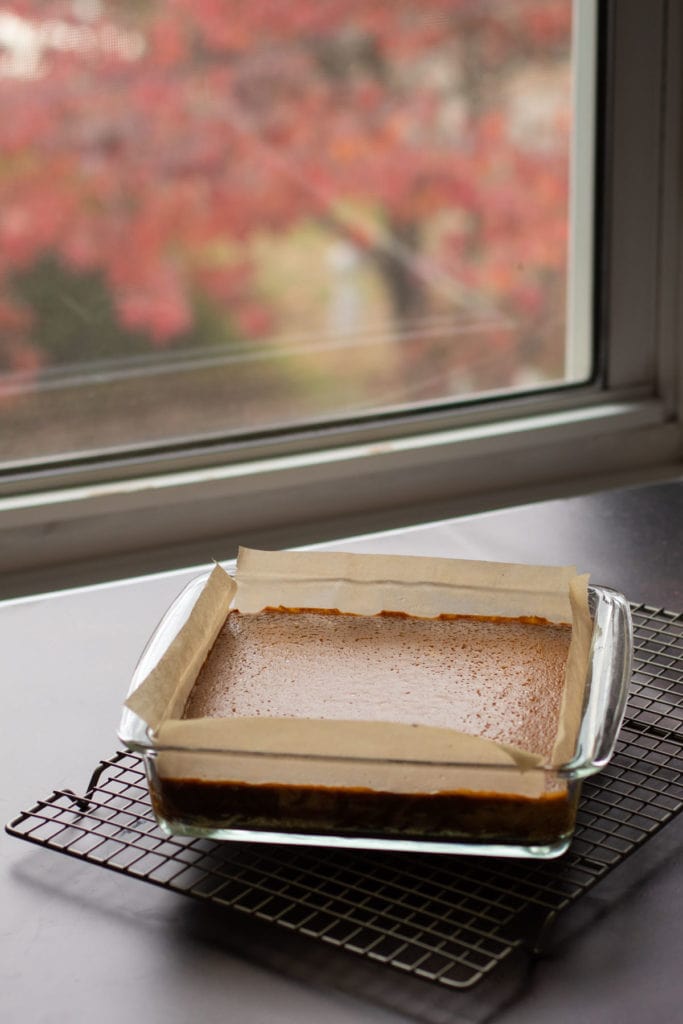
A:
[611,657]
[132,730]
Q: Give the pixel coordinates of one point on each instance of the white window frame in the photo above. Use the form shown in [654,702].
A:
[105,516]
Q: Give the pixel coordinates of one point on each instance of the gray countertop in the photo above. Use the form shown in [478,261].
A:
[80,943]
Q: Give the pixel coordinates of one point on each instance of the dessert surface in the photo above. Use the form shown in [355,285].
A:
[500,679]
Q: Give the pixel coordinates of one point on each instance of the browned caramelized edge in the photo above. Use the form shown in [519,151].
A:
[527,620]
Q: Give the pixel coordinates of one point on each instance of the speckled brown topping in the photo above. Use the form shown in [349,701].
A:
[498,679]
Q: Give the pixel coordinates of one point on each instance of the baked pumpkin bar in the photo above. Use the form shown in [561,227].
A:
[496,678]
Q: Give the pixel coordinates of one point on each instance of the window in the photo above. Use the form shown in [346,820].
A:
[265,268]
[222,219]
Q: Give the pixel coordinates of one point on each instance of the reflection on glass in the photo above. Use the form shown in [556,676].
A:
[224,217]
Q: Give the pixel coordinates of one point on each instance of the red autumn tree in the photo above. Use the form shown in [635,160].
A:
[149,143]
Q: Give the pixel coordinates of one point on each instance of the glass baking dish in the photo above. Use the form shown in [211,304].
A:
[416,805]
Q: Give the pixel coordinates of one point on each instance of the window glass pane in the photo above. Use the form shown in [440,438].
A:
[220,217]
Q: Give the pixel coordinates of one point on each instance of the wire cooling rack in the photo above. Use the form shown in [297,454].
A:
[448,920]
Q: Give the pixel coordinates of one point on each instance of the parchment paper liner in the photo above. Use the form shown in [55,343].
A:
[376,755]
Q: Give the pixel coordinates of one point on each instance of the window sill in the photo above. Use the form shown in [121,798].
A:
[107,530]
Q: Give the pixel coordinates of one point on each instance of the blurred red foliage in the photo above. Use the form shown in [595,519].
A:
[147,141]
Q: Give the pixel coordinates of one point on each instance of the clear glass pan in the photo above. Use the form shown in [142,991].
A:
[460,816]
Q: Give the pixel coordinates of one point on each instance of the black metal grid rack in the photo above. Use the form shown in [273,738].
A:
[448,920]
